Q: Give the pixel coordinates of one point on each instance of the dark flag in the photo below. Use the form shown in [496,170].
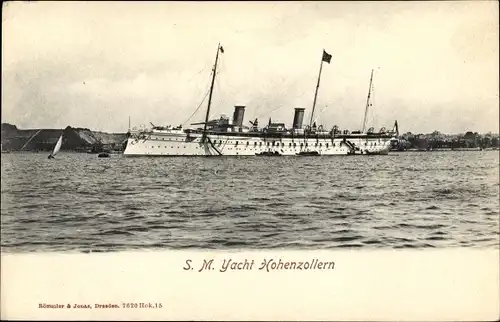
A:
[221,49]
[326,57]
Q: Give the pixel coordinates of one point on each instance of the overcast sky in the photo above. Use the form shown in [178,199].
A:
[93,65]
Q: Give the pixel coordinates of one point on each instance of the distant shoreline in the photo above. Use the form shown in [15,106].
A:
[447,150]
[85,140]
[391,152]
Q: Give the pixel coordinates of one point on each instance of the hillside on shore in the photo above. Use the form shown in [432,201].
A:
[74,139]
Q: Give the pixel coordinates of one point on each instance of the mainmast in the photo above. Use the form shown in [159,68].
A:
[219,47]
[367,103]
[325,57]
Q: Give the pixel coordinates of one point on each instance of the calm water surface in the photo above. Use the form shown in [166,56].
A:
[79,202]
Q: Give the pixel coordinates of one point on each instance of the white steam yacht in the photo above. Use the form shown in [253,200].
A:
[230,137]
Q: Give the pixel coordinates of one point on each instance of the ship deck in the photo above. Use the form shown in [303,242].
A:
[325,135]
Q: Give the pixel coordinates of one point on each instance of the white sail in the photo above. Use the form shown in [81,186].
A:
[58,146]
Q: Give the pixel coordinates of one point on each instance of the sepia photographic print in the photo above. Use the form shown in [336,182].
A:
[250,160]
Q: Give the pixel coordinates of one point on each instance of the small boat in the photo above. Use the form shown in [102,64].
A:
[382,152]
[103,155]
[308,153]
[56,148]
[269,154]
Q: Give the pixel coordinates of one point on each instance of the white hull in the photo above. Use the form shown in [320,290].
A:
[179,143]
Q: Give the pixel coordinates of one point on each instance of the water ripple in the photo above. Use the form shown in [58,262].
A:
[403,200]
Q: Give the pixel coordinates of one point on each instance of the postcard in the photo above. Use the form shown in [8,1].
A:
[250,161]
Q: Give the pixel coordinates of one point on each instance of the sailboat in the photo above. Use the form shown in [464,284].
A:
[56,148]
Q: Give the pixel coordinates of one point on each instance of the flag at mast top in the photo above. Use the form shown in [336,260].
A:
[326,57]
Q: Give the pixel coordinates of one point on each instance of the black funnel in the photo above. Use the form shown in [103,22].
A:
[239,112]
[298,118]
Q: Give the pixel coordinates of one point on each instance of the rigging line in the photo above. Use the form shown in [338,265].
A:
[218,89]
[196,109]
[216,82]
[219,83]
[201,101]
[319,114]
[213,146]
[31,138]
[204,67]
[269,112]
[188,81]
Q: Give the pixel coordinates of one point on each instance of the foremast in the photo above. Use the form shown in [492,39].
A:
[214,72]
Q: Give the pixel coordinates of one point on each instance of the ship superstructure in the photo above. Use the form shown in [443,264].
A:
[226,136]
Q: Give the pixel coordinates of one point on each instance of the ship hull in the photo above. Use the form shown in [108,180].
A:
[160,143]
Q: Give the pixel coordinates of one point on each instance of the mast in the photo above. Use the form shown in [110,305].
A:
[367,103]
[316,92]
[211,92]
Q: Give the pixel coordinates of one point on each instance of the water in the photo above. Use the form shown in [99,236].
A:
[79,202]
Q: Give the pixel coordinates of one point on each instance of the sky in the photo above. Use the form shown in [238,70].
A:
[95,64]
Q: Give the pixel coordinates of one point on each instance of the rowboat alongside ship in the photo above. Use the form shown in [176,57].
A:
[231,138]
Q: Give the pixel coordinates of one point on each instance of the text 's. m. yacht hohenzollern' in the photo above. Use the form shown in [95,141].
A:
[225,137]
